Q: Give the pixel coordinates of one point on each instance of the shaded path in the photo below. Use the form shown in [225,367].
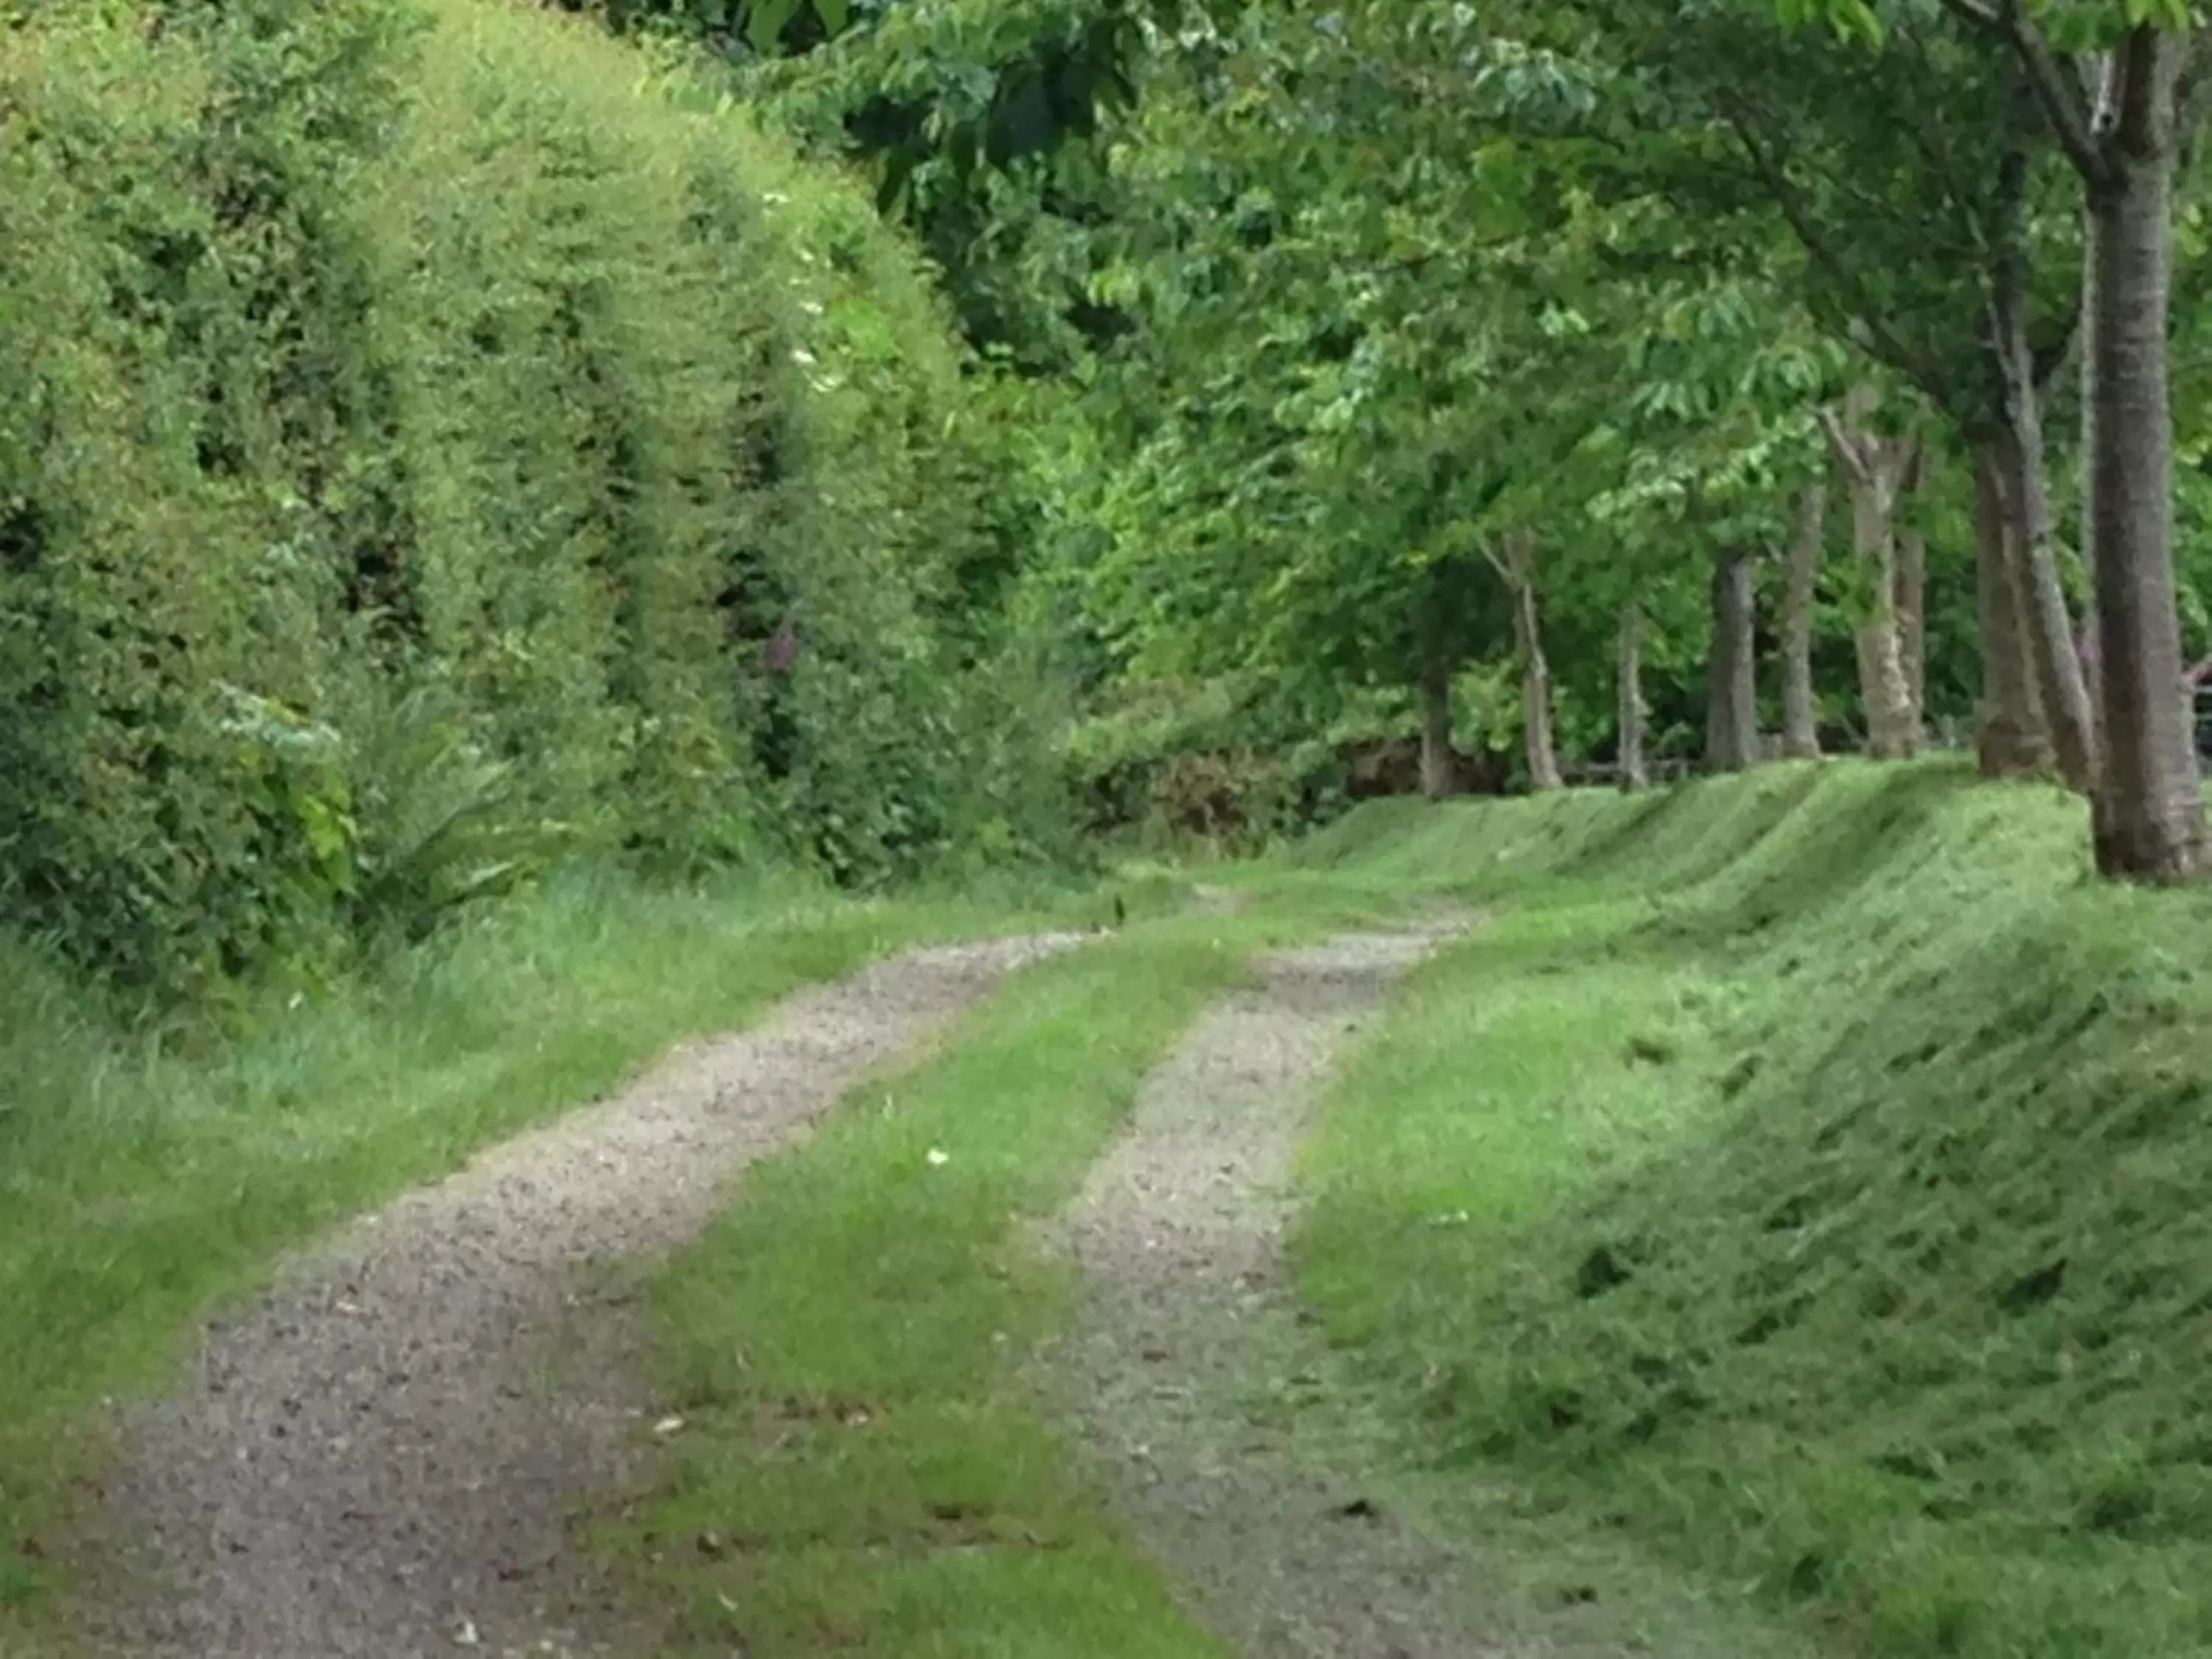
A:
[1212,1413]
[377,1458]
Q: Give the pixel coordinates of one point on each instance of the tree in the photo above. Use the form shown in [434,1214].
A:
[1875,468]
[2009,728]
[1732,725]
[1908,171]
[1515,562]
[1801,734]
[2107,77]
[2149,813]
[1631,714]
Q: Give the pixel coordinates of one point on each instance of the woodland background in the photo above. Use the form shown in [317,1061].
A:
[906,438]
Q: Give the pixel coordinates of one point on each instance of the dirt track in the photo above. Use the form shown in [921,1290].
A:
[378,1458]
[1203,1402]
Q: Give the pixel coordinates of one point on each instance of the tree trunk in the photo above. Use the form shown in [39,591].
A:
[2093,682]
[2010,736]
[1874,468]
[2039,602]
[1731,668]
[1438,766]
[1912,599]
[2149,815]
[1520,569]
[2042,598]
[1801,577]
[1633,772]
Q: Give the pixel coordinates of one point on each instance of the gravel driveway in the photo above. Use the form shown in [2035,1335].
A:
[379,1457]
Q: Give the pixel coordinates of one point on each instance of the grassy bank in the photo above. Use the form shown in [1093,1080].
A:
[1809,1173]
[141,1176]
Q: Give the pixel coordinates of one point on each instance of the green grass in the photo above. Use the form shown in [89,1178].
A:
[868,1473]
[1810,1175]
[1805,1176]
[140,1177]
[862,1470]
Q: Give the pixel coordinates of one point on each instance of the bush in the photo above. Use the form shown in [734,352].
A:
[426,451]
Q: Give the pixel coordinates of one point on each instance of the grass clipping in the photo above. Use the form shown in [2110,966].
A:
[1810,1172]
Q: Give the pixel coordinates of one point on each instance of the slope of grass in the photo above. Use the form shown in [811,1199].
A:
[141,1176]
[1812,1173]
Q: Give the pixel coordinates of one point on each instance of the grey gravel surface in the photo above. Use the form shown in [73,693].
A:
[1217,1418]
[380,1457]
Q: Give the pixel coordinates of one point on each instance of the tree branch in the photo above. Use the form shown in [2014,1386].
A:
[2057,92]
[1976,16]
[2048,366]
[1845,446]
[2145,99]
[1774,173]
[1911,468]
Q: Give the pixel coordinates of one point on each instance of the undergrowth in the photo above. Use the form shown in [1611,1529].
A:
[1809,1172]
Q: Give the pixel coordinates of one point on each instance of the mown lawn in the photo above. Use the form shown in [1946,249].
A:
[1811,1174]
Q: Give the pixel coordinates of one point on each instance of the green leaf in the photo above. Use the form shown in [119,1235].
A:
[768,19]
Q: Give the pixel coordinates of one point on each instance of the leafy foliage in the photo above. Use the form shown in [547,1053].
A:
[413,445]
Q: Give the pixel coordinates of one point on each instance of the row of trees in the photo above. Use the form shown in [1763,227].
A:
[1408,339]
[1551,331]
[417,456]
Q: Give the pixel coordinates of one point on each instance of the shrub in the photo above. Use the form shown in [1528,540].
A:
[429,445]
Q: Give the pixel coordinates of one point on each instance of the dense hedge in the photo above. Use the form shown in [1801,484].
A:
[426,444]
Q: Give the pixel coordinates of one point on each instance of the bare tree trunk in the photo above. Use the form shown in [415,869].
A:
[2095,67]
[1882,688]
[1439,768]
[1912,622]
[1633,772]
[2125,138]
[1912,598]
[1873,467]
[1731,667]
[1520,571]
[2149,815]
[2042,598]
[2038,601]
[2009,735]
[1800,576]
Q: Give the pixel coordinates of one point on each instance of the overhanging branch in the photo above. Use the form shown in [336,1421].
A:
[1773,172]
[2059,95]
[1845,447]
